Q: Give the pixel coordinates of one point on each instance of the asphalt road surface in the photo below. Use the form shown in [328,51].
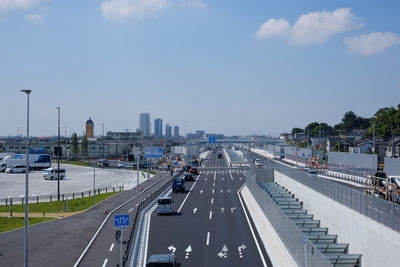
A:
[209,227]
[61,242]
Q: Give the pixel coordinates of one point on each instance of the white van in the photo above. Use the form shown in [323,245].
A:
[16,169]
[164,205]
[52,173]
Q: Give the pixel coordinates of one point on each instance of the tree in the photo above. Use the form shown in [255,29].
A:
[296,130]
[75,148]
[351,121]
[324,129]
[310,129]
[85,147]
[384,120]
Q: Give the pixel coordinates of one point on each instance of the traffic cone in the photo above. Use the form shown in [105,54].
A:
[141,189]
[105,211]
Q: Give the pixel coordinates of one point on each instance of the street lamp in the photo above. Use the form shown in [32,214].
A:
[58,157]
[27,92]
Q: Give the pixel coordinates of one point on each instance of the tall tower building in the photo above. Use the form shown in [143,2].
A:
[168,131]
[89,128]
[176,131]
[158,127]
[144,123]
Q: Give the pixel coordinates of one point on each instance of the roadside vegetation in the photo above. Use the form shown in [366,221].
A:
[8,224]
[74,205]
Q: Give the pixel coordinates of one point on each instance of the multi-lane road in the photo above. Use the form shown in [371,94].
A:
[211,226]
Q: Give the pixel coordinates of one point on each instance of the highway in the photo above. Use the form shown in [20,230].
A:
[210,227]
[61,242]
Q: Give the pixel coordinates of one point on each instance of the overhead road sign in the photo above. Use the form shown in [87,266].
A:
[153,152]
[211,139]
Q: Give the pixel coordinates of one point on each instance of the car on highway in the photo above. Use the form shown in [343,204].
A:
[194,171]
[16,169]
[258,163]
[219,155]
[164,205]
[178,185]
[162,260]
[188,176]
[52,173]
[311,171]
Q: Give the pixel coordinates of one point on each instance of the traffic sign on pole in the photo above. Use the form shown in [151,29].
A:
[121,222]
[153,152]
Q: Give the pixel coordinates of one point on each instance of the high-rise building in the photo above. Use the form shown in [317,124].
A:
[176,131]
[89,128]
[168,131]
[158,127]
[144,123]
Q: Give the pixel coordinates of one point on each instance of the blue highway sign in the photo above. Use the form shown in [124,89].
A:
[121,221]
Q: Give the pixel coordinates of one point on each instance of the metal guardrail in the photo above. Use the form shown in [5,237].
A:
[300,247]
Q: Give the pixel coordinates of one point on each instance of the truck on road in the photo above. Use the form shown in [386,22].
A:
[36,161]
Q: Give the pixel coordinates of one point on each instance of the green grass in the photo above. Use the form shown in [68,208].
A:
[7,224]
[78,163]
[58,206]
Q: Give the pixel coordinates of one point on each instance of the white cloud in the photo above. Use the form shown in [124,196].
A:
[34,17]
[121,9]
[273,27]
[371,43]
[313,27]
[10,4]
[317,27]
[192,3]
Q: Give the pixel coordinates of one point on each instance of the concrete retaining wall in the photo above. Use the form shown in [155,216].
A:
[378,244]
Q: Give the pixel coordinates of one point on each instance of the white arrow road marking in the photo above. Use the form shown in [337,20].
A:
[194,210]
[188,250]
[172,249]
[222,210]
[224,252]
[232,209]
[201,191]
[229,190]
[240,248]
[208,239]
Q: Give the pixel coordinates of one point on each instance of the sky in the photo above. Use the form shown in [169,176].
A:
[231,67]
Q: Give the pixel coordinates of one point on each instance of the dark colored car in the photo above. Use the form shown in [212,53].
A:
[188,177]
[187,168]
[219,155]
[162,260]
[194,171]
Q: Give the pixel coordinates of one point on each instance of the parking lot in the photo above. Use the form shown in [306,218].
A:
[77,179]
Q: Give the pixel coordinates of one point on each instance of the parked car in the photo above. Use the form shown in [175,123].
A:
[194,171]
[16,169]
[188,176]
[52,173]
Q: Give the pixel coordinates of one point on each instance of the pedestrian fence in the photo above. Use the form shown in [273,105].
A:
[353,197]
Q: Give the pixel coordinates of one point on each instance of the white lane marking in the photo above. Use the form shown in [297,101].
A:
[187,195]
[215,175]
[201,191]
[208,239]
[210,214]
[111,248]
[251,228]
[222,209]
[212,200]
[105,263]
[148,230]
[213,191]
[137,204]
[188,250]
[231,175]
[130,210]
[213,184]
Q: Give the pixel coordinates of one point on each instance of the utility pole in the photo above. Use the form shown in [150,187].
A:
[103,140]
[58,157]
[94,185]
[393,154]
[373,138]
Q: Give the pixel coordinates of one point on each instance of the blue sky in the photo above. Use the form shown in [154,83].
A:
[236,67]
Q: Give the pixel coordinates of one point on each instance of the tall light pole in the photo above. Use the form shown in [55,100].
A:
[103,141]
[58,157]
[26,240]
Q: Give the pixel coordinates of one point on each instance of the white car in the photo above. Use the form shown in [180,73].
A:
[16,169]
[52,173]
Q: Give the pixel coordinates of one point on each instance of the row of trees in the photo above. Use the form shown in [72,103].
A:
[384,121]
